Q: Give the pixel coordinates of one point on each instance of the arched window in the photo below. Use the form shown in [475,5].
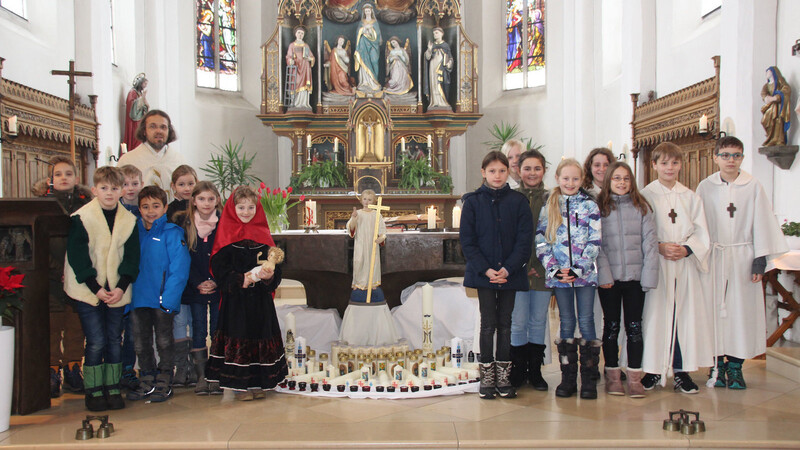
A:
[217,58]
[15,6]
[525,58]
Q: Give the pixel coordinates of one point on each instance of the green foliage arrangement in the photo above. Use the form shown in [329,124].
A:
[321,174]
[791,228]
[230,168]
[415,174]
[504,132]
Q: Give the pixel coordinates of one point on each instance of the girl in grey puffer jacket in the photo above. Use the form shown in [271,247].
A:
[627,266]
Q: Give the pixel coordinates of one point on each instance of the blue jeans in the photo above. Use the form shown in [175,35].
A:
[529,319]
[128,349]
[102,327]
[566,298]
[183,323]
[199,324]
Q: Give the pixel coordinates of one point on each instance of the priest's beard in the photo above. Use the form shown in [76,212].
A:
[156,146]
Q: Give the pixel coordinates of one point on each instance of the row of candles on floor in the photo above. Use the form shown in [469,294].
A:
[378,368]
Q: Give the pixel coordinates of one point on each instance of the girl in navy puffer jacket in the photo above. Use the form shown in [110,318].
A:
[567,244]
[628,266]
[496,234]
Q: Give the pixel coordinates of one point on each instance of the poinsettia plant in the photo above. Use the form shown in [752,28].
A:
[10,284]
[275,202]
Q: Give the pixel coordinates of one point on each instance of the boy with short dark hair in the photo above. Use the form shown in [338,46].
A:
[676,320]
[744,233]
[164,272]
[65,325]
[102,262]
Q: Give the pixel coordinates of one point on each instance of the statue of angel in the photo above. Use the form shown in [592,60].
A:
[337,67]
[398,67]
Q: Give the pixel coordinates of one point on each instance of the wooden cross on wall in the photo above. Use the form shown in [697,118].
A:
[71,73]
[378,208]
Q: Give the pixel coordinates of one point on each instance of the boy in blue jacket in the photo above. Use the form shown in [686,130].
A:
[163,273]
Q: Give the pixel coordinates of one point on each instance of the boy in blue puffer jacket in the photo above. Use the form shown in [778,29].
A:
[163,272]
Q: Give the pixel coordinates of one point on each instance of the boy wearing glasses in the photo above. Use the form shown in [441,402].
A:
[163,273]
[744,233]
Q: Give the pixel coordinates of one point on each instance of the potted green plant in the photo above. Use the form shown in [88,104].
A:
[792,232]
[321,174]
[417,173]
[10,304]
[230,168]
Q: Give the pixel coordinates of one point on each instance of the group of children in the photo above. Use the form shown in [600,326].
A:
[138,266]
[680,269]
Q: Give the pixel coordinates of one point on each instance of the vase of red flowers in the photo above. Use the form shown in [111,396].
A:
[276,206]
[10,303]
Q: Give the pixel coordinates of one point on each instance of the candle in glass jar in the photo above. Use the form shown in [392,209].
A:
[456,217]
[431,218]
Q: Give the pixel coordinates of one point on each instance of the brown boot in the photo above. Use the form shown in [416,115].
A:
[635,388]
[613,382]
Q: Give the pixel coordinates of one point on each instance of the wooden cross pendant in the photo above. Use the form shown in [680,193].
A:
[731,209]
[672,214]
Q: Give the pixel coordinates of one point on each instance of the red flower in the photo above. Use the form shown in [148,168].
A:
[302,197]
[289,189]
[10,282]
[284,194]
[262,185]
[275,191]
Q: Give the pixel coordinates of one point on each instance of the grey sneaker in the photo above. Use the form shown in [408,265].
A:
[163,389]
[147,385]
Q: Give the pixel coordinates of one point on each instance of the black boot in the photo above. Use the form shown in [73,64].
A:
[590,359]
[488,382]
[568,358]
[55,381]
[519,365]
[536,352]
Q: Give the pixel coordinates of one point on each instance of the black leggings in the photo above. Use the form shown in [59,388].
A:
[627,295]
[496,307]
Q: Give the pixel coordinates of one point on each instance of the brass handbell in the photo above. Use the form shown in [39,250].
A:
[106,430]
[86,431]
[687,428]
[699,426]
[671,425]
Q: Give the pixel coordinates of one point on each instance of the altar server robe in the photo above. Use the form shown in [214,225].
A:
[737,237]
[678,294]
[156,167]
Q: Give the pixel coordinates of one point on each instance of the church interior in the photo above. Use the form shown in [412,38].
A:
[323,99]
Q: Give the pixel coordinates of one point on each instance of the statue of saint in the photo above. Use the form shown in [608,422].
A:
[777,109]
[300,56]
[398,67]
[438,65]
[337,68]
[368,51]
[136,107]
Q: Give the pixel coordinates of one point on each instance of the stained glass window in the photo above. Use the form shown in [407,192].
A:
[217,58]
[525,32]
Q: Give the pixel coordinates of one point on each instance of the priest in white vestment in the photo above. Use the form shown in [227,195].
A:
[677,308]
[153,156]
[744,235]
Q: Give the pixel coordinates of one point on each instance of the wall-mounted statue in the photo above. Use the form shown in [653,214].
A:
[395,12]
[436,76]
[337,67]
[302,58]
[341,11]
[777,109]
[368,51]
[398,67]
[136,107]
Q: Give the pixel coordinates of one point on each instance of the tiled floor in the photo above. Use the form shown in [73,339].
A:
[766,415]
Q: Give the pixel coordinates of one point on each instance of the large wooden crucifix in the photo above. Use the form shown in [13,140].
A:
[71,73]
[378,208]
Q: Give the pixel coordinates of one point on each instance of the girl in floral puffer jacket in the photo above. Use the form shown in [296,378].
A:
[567,243]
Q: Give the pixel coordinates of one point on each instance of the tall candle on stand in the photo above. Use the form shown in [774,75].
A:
[456,217]
[703,125]
[12,125]
[429,141]
[427,318]
[403,145]
[431,217]
[308,140]
[336,150]
[289,323]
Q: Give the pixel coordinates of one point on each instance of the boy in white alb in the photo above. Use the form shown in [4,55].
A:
[676,320]
[744,233]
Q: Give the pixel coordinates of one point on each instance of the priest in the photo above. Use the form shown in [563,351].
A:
[153,156]
[744,234]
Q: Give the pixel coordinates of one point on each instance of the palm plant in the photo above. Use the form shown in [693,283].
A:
[321,174]
[230,168]
[505,132]
[417,173]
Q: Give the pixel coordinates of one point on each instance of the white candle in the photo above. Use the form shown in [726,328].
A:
[403,145]
[365,373]
[383,378]
[456,352]
[427,318]
[431,218]
[308,140]
[429,140]
[289,322]
[12,125]
[123,148]
[609,145]
[300,354]
[335,145]
[703,126]
[397,373]
[311,213]
[456,217]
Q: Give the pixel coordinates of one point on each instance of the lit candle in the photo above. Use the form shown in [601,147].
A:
[403,145]
[12,125]
[456,217]
[336,145]
[308,140]
[609,145]
[289,323]
[431,217]
[703,126]
[123,148]
[427,318]
[429,141]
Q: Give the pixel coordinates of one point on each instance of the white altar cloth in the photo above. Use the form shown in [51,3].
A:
[319,327]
